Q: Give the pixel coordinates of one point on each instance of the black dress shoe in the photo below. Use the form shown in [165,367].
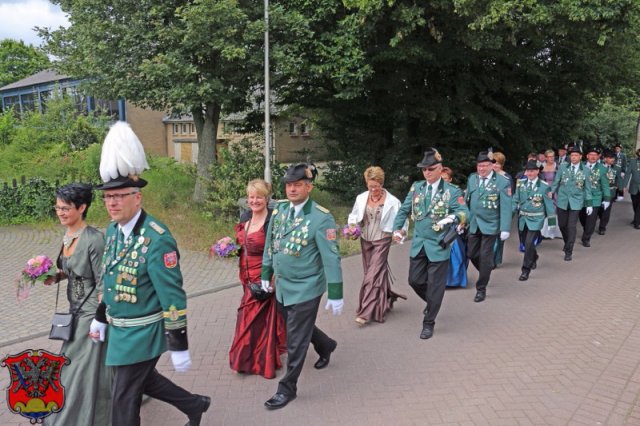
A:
[480,296]
[636,226]
[323,361]
[427,332]
[567,256]
[534,265]
[194,419]
[601,231]
[279,400]
[524,275]
[586,243]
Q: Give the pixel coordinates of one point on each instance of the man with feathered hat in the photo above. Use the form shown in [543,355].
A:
[144,306]
[435,206]
[488,195]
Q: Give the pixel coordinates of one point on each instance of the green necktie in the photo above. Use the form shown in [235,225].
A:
[119,241]
[427,196]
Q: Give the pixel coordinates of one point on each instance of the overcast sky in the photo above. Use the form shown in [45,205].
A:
[18,17]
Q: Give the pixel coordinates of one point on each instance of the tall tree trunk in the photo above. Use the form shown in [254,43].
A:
[206,118]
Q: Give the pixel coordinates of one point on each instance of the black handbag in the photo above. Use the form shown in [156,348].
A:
[257,292]
[448,236]
[63,323]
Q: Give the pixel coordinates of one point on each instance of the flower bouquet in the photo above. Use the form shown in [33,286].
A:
[225,247]
[351,232]
[37,269]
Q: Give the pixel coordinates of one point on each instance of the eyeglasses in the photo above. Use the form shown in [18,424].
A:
[116,197]
[62,209]
[430,169]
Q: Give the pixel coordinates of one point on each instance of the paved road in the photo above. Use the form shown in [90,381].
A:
[561,349]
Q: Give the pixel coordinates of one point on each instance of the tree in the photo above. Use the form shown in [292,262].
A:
[198,56]
[18,60]
[465,75]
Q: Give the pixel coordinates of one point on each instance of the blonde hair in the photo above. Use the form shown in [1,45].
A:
[260,187]
[499,158]
[374,173]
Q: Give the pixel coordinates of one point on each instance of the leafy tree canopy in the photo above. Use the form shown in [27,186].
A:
[18,60]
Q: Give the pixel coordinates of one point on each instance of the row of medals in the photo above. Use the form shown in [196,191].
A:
[298,239]
[128,269]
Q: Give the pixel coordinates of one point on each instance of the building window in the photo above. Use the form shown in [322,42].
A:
[175,129]
[110,108]
[304,129]
[184,129]
[293,131]
[12,101]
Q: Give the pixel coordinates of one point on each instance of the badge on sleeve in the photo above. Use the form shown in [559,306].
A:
[461,200]
[170,259]
[331,234]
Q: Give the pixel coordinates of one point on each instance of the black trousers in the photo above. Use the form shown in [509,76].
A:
[604,215]
[480,252]
[530,252]
[567,222]
[300,320]
[588,222]
[131,381]
[635,202]
[429,280]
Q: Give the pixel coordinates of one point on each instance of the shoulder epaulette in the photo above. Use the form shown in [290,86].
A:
[159,229]
[322,209]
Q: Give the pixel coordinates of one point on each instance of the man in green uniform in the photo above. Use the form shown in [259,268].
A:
[622,162]
[143,300]
[434,205]
[632,178]
[301,254]
[532,204]
[489,198]
[615,182]
[573,188]
[600,194]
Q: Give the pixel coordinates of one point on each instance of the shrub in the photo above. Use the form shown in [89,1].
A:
[27,202]
[237,165]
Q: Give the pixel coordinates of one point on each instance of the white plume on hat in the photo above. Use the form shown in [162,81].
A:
[122,153]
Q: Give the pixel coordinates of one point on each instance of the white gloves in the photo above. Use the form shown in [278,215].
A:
[589,210]
[605,204]
[181,360]
[266,285]
[97,331]
[504,235]
[336,306]
[447,220]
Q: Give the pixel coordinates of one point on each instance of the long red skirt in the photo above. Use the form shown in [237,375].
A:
[260,337]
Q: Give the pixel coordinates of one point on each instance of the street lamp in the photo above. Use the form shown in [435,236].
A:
[267,118]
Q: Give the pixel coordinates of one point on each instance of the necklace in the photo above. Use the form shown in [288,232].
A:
[67,240]
[376,200]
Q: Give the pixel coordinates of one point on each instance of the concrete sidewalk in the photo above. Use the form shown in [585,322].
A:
[562,348]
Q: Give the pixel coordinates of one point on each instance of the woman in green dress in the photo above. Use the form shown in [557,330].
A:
[87,381]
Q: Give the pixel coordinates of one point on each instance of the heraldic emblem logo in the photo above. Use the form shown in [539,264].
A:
[35,391]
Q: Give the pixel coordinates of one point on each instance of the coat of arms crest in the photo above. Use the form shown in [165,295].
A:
[35,391]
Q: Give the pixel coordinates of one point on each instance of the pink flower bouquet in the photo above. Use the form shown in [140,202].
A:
[351,232]
[37,269]
[225,247]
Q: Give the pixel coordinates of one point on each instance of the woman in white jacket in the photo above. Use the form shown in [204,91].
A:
[375,210]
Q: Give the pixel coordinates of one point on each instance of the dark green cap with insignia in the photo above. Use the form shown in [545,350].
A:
[300,171]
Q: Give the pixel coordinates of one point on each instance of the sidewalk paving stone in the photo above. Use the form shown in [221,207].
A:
[560,349]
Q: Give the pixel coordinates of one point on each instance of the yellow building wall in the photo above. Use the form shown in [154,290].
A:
[147,124]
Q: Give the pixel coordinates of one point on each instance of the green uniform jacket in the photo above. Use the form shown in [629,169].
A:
[599,184]
[302,254]
[574,191]
[632,176]
[447,201]
[490,207]
[532,205]
[141,279]
[614,176]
